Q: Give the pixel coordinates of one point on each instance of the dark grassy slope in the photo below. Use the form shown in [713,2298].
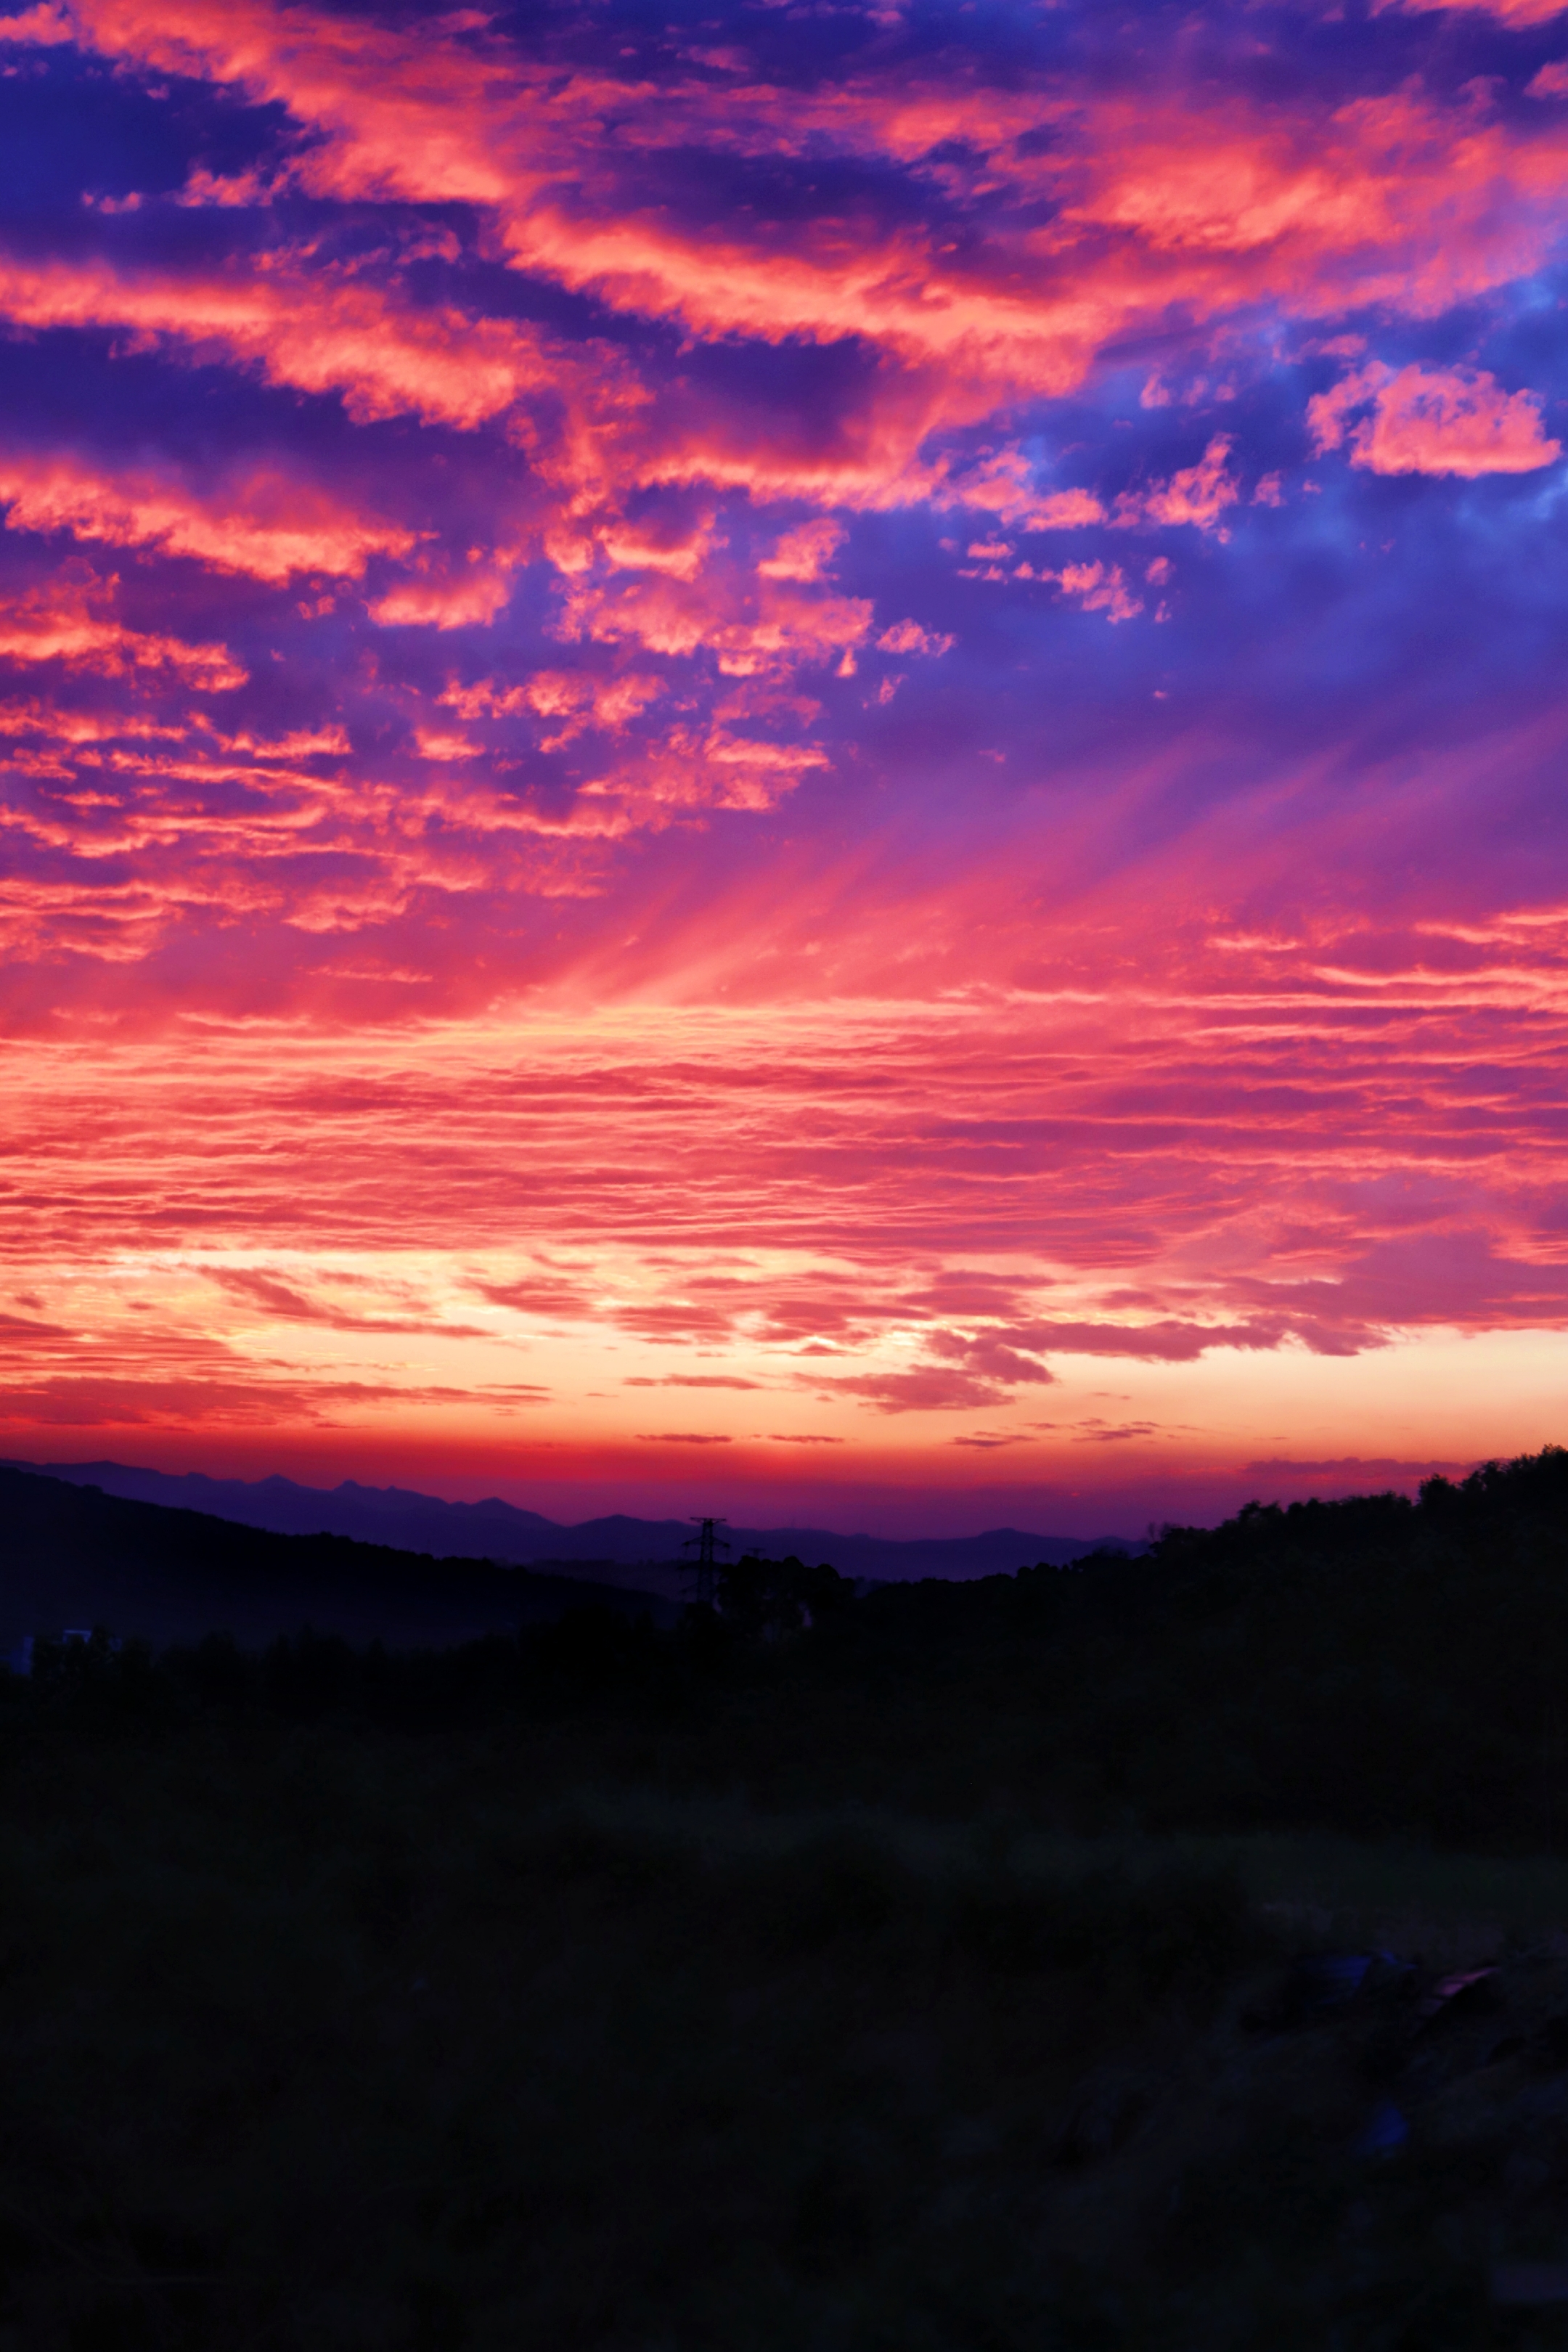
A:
[632,1991]
[70,1556]
[309,2041]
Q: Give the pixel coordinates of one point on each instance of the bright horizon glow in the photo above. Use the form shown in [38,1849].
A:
[803,766]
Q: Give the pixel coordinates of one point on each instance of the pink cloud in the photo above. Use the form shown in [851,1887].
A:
[684,1437]
[1099,588]
[751,629]
[1507,12]
[285,1301]
[41,27]
[384,358]
[1197,494]
[1003,484]
[1170,1340]
[931,1389]
[544,1293]
[570,703]
[1385,199]
[908,637]
[680,548]
[1431,420]
[1356,1472]
[433,743]
[456,601]
[804,554]
[268,526]
[69,623]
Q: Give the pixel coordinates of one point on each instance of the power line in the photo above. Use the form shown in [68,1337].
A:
[705,1565]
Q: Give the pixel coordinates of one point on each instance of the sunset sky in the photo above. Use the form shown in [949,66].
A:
[792,758]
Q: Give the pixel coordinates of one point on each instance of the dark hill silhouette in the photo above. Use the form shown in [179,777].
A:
[1082,1957]
[72,1556]
[618,1550]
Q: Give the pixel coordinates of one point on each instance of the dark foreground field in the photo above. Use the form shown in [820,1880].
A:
[947,1974]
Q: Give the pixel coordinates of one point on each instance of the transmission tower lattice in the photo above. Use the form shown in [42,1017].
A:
[705,1567]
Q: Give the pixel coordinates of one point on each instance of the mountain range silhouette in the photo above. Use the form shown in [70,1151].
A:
[618,1550]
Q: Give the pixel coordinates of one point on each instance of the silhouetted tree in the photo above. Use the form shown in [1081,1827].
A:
[769,1600]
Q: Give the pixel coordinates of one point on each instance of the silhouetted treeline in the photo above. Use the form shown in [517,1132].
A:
[1373,1666]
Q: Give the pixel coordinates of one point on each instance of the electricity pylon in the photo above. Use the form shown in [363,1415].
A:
[706,1567]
